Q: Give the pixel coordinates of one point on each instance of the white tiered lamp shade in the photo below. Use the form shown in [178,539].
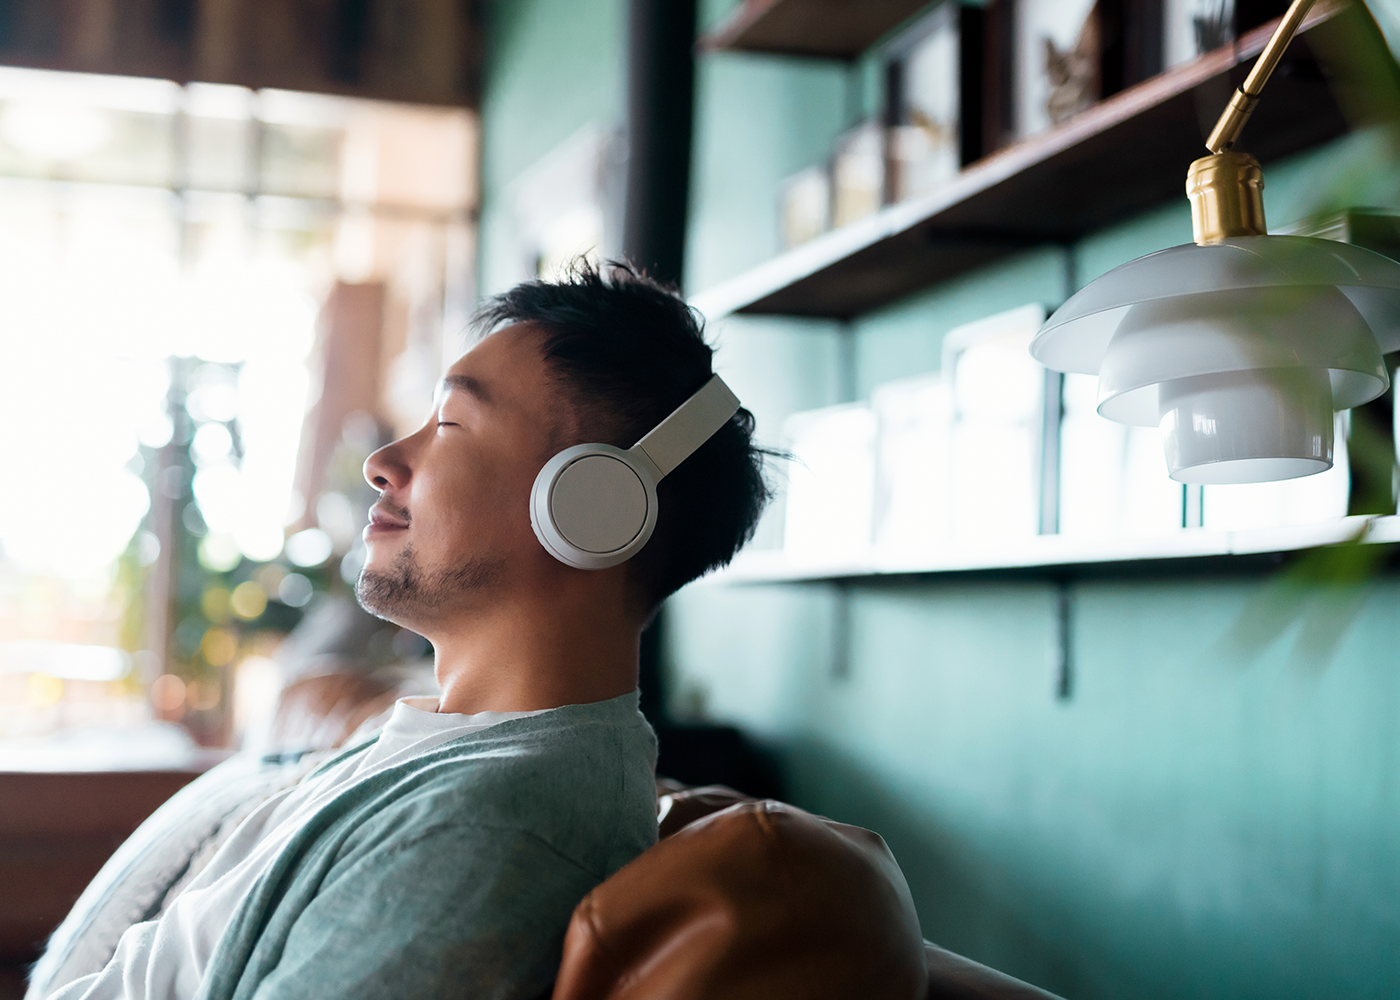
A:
[1239,350]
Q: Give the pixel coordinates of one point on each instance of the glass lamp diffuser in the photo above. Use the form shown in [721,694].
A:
[1233,349]
[1239,346]
[1248,426]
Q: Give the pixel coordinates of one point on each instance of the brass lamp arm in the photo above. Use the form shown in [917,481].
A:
[1232,120]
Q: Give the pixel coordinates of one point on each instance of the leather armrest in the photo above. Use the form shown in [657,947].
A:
[758,901]
[744,899]
[952,977]
[678,806]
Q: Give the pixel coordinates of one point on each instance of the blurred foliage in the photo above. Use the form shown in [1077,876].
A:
[219,614]
[1322,590]
[1320,593]
[1372,454]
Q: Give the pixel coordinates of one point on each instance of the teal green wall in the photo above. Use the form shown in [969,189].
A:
[802,110]
[552,67]
[1197,820]
[1211,813]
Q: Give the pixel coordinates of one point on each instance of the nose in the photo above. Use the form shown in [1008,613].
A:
[388,468]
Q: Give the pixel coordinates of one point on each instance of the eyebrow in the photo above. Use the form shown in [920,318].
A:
[466,383]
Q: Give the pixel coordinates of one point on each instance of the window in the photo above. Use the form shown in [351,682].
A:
[168,246]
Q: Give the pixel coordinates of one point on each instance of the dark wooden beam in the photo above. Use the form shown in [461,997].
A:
[827,29]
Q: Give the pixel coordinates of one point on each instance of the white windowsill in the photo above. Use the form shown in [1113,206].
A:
[1052,551]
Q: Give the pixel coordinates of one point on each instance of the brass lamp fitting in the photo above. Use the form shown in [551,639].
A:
[1227,189]
[1227,197]
[1232,121]
[1241,105]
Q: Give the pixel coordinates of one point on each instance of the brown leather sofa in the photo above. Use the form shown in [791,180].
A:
[756,900]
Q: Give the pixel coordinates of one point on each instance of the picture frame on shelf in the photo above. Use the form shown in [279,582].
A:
[988,78]
[923,97]
[957,451]
[567,204]
[1191,28]
[1070,54]
[1113,478]
[830,490]
[914,439]
[997,392]
[1058,48]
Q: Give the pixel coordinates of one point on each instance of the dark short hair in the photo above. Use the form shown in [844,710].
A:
[630,350]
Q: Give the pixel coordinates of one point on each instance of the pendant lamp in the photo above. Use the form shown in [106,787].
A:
[1239,346]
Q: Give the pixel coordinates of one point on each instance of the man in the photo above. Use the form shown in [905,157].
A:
[445,857]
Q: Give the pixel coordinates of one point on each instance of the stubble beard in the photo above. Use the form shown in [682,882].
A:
[406,595]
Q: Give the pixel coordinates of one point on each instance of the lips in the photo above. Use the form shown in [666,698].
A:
[386,517]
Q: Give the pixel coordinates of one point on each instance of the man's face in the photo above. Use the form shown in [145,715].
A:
[452,521]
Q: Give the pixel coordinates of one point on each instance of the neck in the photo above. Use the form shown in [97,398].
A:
[522,656]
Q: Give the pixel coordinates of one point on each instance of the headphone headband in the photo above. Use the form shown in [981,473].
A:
[690,425]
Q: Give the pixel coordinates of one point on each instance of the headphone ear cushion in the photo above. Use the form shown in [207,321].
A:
[592,508]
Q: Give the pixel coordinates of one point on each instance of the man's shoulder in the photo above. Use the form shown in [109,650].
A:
[579,778]
[543,760]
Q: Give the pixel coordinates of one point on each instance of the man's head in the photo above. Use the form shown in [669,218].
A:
[595,357]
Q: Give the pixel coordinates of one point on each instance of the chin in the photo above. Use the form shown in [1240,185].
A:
[404,593]
[384,594]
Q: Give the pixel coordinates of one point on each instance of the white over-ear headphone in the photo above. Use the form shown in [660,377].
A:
[594,505]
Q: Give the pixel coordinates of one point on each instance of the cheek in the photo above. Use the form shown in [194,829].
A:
[486,504]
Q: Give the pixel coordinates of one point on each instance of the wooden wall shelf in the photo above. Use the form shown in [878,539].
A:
[829,29]
[1066,555]
[1126,154]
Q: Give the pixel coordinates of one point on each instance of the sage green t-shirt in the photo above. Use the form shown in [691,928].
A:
[451,873]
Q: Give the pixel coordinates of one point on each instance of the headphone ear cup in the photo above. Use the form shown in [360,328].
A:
[592,508]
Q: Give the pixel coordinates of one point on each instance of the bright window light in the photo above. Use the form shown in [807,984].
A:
[145,265]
